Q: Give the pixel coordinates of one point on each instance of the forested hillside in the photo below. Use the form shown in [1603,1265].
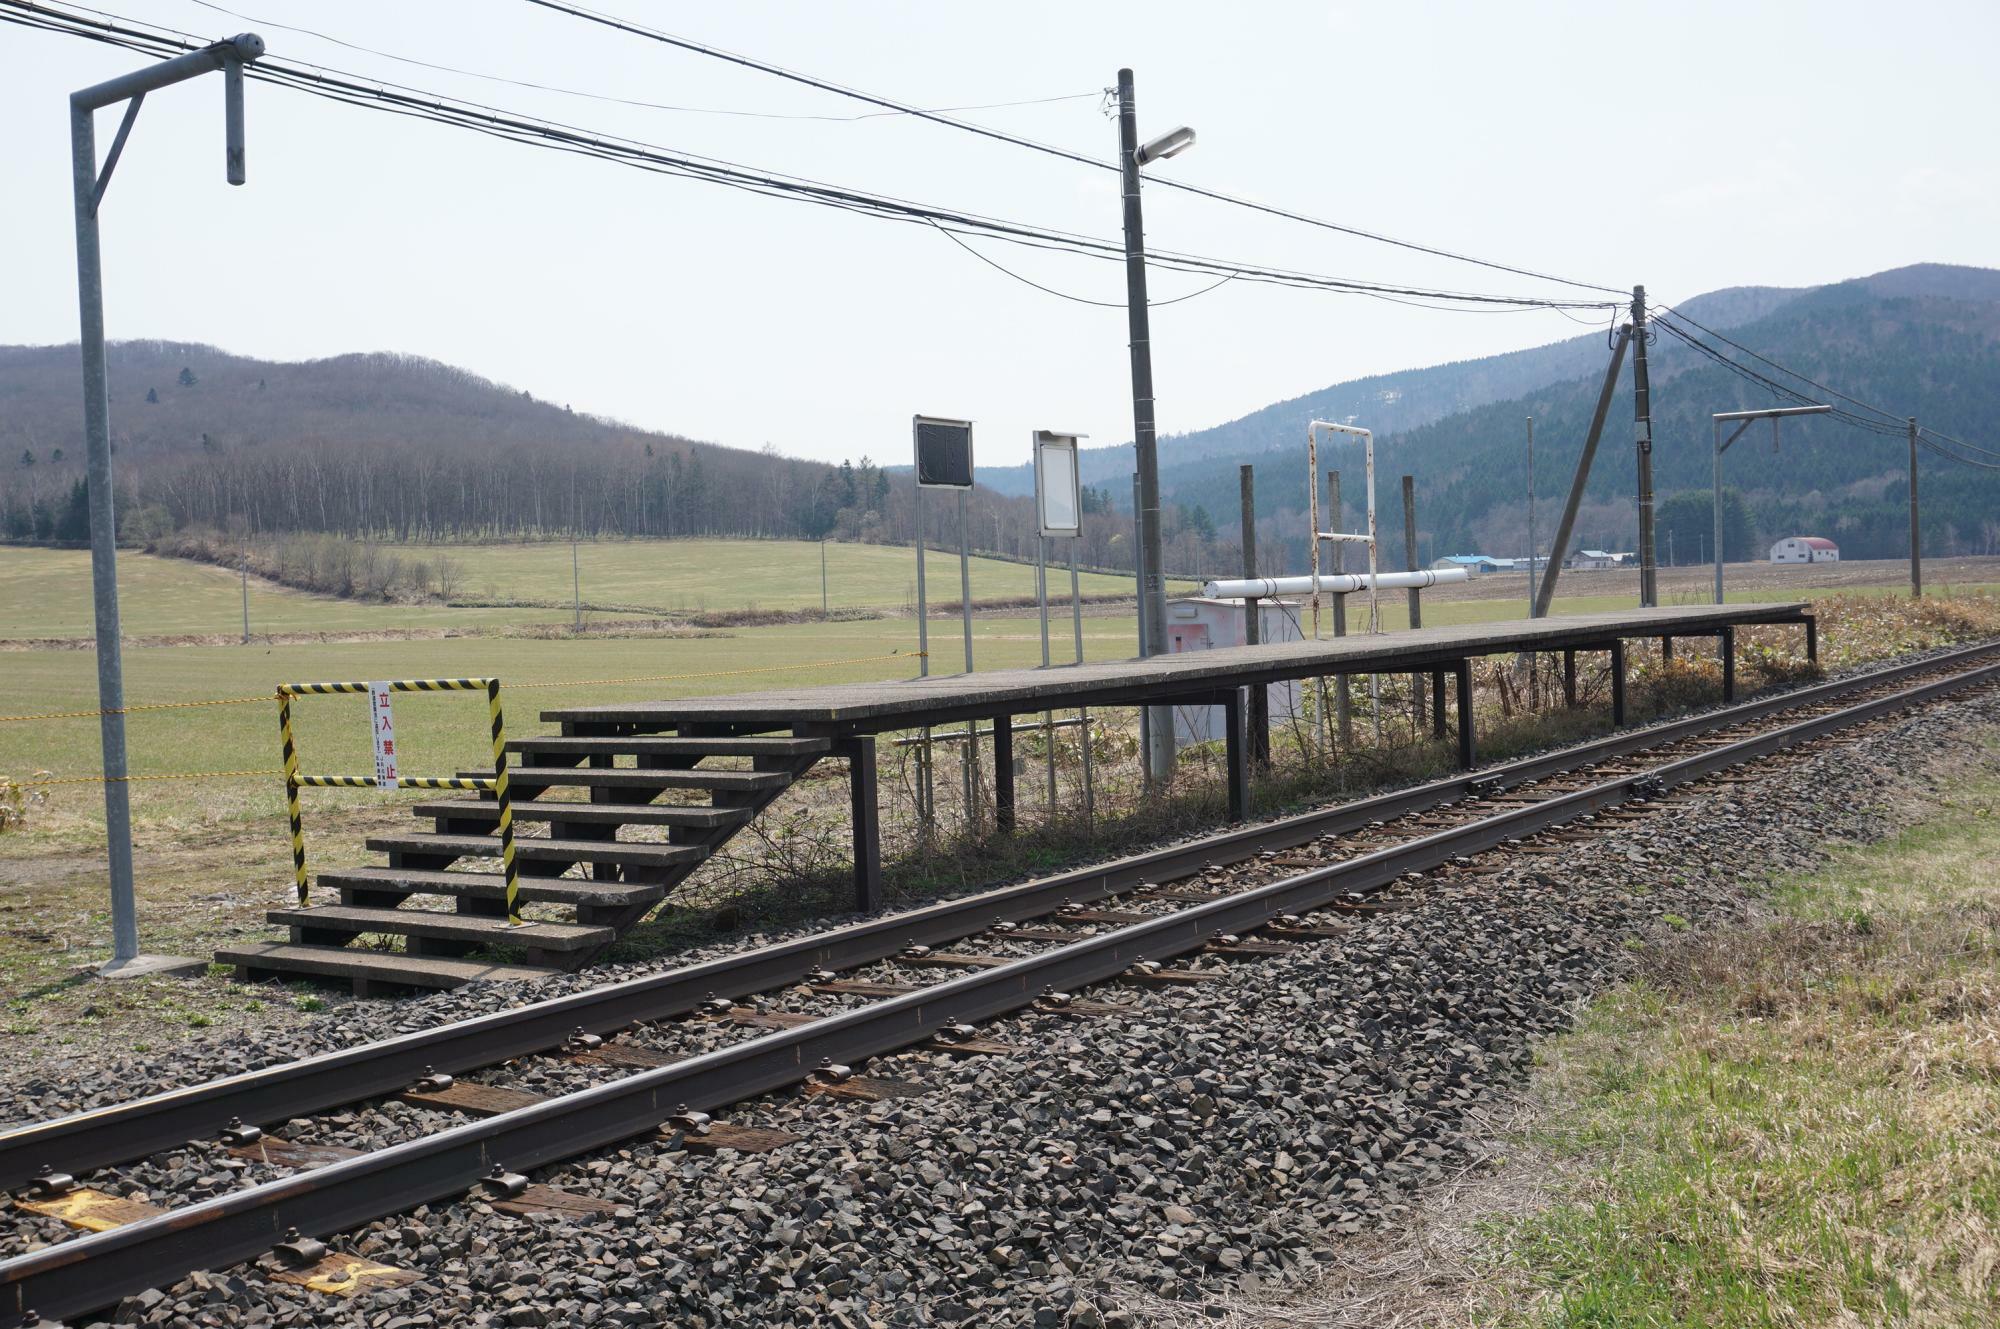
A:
[1921,339]
[378,447]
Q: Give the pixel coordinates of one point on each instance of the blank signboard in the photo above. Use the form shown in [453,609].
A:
[944,453]
[1056,483]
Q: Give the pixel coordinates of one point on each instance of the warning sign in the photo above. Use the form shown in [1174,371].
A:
[383,721]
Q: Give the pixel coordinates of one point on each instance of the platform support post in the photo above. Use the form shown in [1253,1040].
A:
[1812,640]
[1003,774]
[866,815]
[1618,681]
[1666,650]
[1237,752]
[1726,643]
[1569,679]
[1466,755]
[1437,703]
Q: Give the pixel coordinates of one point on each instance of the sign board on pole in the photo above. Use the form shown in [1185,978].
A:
[382,721]
[1058,488]
[944,452]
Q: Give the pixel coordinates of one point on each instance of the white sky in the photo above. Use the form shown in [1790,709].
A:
[1689,146]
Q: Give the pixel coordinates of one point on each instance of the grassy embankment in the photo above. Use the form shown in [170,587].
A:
[1791,1124]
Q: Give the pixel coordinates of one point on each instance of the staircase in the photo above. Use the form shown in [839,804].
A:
[624,826]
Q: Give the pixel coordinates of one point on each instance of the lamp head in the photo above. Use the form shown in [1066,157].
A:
[1170,144]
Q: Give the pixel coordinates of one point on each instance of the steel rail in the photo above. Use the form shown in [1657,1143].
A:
[91,1271]
[121,1132]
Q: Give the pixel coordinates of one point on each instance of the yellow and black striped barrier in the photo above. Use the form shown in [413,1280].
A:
[498,784]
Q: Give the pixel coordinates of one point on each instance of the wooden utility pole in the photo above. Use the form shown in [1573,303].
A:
[1642,429]
[1916,549]
[1564,528]
[1260,697]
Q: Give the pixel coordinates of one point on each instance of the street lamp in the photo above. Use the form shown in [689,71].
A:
[1773,414]
[1152,584]
[89,184]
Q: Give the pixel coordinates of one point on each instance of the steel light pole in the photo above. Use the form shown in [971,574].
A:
[1774,415]
[1132,155]
[89,185]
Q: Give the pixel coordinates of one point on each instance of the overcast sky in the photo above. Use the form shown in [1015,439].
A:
[1688,147]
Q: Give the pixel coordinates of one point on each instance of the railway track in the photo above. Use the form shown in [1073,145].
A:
[642,1067]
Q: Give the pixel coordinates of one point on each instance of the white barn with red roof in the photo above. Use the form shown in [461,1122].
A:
[1805,549]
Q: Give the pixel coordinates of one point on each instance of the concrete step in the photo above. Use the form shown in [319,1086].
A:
[493,886]
[756,745]
[473,928]
[599,778]
[586,814]
[367,969]
[544,850]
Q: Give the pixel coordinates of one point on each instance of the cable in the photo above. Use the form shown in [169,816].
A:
[337,86]
[1853,401]
[699,48]
[606,97]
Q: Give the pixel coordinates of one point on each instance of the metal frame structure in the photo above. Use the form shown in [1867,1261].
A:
[1352,537]
[497,786]
[1773,414]
[88,1271]
[88,185]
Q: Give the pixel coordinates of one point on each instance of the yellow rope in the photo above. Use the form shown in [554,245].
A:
[176,775]
[127,710]
[721,673]
[562,683]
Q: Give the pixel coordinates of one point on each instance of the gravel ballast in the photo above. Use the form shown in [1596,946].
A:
[1225,1136]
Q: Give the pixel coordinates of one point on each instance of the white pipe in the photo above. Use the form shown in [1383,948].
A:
[1268,588]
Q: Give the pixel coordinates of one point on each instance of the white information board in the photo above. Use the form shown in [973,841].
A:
[1058,487]
[382,720]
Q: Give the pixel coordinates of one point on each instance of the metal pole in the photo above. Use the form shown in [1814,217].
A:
[822,577]
[965,616]
[1258,719]
[1564,528]
[1343,695]
[1042,608]
[1416,596]
[1916,547]
[1718,511]
[243,568]
[1532,545]
[1083,716]
[925,805]
[575,574]
[1642,426]
[1152,581]
[87,190]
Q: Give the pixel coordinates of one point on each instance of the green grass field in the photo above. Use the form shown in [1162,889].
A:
[45,593]
[680,576]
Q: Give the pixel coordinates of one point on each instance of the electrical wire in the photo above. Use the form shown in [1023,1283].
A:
[606,97]
[400,99]
[986,131]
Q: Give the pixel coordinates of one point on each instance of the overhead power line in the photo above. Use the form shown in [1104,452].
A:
[1019,141]
[400,99]
[607,97]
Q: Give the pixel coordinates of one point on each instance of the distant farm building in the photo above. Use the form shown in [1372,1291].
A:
[1584,560]
[1474,563]
[1805,549]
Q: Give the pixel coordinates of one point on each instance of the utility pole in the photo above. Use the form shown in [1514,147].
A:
[243,570]
[1410,559]
[88,187]
[822,577]
[1916,548]
[1642,425]
[1152,586]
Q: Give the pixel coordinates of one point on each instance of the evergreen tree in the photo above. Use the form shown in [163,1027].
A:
[152,396]
[188,379]
[27,456]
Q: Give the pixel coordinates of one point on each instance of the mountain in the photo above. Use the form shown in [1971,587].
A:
[1394,403]
[1924,339]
